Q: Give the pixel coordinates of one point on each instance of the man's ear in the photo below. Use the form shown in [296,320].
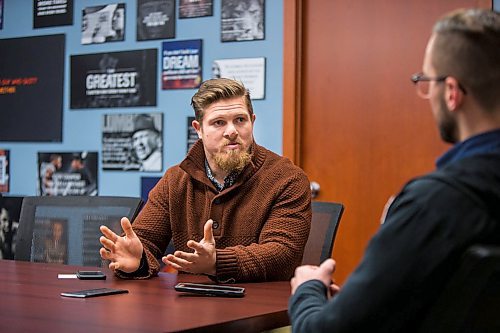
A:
[453,93]
[196,125]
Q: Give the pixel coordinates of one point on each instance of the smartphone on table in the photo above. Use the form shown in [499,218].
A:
[210,289]
[93,292]
[91,275]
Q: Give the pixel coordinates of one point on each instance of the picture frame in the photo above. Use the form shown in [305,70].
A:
[250,71]
[195,8]
[102,24]
[155,19]
[242,20]
[52,13]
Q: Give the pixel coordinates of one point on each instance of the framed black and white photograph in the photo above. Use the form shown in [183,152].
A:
[250,71]
[67,173]
[102,24]
[132,142]
[4,170]
[155,19]
[242,20]
[10,211]
[52,13]
[195,8]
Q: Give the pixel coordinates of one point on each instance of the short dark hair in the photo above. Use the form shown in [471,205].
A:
[467,46]
[214,90]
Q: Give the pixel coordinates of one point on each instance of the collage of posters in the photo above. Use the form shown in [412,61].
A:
[117,79]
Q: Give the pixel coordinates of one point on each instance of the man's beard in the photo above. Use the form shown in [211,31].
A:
[447,124]
[232,160]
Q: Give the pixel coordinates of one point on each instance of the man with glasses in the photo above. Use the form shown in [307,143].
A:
[435,218]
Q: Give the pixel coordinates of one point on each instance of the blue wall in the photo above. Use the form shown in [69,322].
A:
[82,128]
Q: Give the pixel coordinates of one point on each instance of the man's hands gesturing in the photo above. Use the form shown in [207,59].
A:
[125,252]
[202,261]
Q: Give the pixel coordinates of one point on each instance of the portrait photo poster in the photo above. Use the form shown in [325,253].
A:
[67,173]
[181,64]
[250,71]
[195,8]
[52,13]
[10,211]
[155,19]
[101,24]
[132,142]
[242,20]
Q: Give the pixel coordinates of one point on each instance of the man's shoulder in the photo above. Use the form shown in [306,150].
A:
[274,160]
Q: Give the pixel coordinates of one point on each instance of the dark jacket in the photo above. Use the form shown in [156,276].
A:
[407,263]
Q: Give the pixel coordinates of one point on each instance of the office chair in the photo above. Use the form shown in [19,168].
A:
[65,229]
[470,302]
[325,221]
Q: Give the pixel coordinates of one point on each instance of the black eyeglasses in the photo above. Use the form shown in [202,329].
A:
[423,83]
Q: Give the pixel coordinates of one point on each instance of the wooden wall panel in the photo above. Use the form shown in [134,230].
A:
[359,130]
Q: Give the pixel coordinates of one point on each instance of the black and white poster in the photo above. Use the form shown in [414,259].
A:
[101,24]
[4,170]
[51,13]
[132,142]
[195,8]
[242,20]
[155,19]
[116,79]
[10,210]
[250,71]
[63,173]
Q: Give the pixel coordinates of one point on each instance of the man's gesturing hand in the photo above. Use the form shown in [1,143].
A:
[202,261]
[125,252]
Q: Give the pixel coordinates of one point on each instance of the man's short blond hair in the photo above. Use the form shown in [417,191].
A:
[214,90]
